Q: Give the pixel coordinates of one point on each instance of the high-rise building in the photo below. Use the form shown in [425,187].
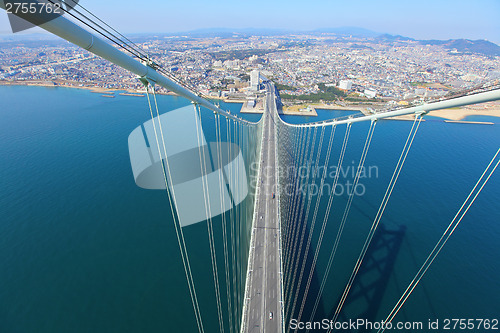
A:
[254,80]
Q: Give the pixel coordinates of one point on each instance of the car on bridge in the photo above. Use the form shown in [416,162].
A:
[270,315]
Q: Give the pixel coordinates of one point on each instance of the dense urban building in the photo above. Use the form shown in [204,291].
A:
[393,70]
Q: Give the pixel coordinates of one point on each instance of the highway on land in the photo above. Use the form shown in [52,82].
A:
[265,283]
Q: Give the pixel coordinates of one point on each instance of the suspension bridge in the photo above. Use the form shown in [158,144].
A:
[244,180]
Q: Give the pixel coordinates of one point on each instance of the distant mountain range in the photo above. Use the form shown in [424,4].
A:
[481,46]
[460,45]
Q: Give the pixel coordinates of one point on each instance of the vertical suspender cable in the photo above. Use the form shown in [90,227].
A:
[295,217]
[301,231]
[325,218]
[290,189]
[319,193]
[296,203]
[299,144]
[238,220]
[206,195]
[220,169]
[178,228]
[231,224]
[444,238]
[310,188]
[315,214]
[392,183]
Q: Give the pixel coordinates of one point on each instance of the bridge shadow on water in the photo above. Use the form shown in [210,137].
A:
[370,284]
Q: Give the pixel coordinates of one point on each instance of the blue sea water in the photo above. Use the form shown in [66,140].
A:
[83,249]
[443,165]
[322,115]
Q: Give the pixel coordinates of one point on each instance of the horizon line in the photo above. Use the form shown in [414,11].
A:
[40,31]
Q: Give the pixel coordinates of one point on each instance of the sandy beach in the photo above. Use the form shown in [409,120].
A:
[457,114]
[461,113]
[299,110]
[491,109]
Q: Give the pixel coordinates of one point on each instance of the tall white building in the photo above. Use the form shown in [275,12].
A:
[254,80]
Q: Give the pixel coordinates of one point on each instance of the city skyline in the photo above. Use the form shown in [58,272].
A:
[426,19]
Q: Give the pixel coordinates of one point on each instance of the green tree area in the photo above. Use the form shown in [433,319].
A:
[332,90]
[284,87]
[326,94]
[360,99]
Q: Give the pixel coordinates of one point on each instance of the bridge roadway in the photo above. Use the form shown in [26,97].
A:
[264,288]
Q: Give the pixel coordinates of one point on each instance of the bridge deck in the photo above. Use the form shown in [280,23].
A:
[264,292]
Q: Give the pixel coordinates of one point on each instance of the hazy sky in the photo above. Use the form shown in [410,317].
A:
[423,19]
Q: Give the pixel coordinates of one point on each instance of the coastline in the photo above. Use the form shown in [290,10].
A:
[456,115]
[99,90]
[491,109]
[67,84]
[299,110]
